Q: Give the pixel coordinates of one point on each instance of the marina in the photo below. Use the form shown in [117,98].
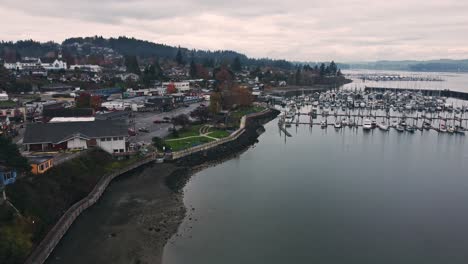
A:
[402,110]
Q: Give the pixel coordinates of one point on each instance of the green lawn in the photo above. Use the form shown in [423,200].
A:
[180,144]
[218,133]
[239,113]
[188,132]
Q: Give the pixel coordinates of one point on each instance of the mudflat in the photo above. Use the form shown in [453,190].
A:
[131,223]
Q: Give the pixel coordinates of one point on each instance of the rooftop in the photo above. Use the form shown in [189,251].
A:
[59,132]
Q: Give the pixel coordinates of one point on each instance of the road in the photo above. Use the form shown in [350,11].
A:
[146,120]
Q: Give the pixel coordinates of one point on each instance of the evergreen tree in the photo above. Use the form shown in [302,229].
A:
[193,69]
[298,76]
[131,63]
[236,65]
[323,71]
[179,57]
[333,68]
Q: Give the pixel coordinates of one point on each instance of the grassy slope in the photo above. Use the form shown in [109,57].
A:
[42,200]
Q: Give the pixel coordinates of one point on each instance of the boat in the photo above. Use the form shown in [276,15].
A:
[400,128]
[367,124]
[450,129]
[323,124]
[427,125]
[410,129]
[442,128]
[374,124]
[337,124]
[382,126]
[345,122]
[394,123]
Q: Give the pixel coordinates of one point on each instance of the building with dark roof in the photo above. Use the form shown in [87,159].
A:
[110,135]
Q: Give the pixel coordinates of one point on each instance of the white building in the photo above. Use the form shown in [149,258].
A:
[34,63]
[86,67]
[56,65]
[4,96]
[109,135]
[181,87]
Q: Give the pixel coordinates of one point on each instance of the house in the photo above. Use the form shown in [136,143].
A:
[181,87]
[110,135]
[129,77]
[39,165]
[7,176]
[4,96]
[53,65]
[86,68]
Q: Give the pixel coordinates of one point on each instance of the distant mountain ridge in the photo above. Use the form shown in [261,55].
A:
[134,47]
[441,65]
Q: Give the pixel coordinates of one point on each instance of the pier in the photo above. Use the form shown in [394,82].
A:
[424,92]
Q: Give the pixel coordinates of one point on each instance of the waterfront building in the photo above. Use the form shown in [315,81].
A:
[109,135]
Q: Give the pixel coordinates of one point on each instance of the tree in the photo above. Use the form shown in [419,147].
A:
[193,69]
[10,155]
[179,57]
[323,71]
[201,113]
[333,68]
[215,102]
[236,65]
[160,144]
[171,89]
[298,76]
[131,63]
[83,101]
[181,120]
[339,73]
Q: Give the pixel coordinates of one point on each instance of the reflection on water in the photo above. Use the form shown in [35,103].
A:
[328,196]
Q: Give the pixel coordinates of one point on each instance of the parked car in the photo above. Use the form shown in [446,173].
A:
[159,121]
[167,118]
[131,132]
[143,129]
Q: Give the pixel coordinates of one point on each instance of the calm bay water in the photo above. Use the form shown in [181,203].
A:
[451,81]
[326,196]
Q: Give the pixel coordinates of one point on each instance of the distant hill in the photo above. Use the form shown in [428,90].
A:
[442,65]
[131,46]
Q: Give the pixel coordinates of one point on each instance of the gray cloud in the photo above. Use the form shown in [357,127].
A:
[345,30]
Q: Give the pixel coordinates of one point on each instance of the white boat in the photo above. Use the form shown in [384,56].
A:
[382,126]
[450,129]
[367,124]
[337,124]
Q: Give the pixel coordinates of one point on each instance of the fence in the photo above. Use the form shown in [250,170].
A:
[50,241]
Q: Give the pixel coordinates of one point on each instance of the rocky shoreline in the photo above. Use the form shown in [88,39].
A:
[142,210]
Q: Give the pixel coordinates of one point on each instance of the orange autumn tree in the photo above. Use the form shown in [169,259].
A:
[171,89]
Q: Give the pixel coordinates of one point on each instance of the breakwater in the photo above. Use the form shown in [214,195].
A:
[425,92]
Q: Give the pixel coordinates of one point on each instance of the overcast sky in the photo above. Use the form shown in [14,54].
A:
[303,30]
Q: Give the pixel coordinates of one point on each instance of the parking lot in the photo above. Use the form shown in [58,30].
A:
[146,120]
